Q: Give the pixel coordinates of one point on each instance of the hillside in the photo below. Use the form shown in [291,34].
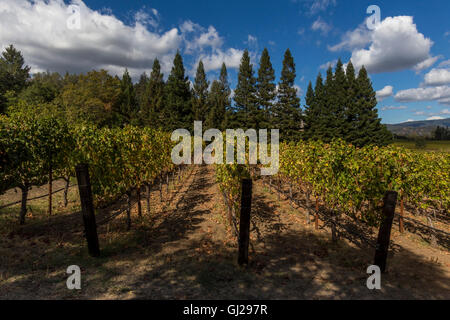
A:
[417,128]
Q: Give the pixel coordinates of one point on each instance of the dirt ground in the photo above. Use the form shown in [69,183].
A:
[184,249]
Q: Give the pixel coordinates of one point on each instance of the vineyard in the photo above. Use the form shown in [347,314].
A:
[192,225]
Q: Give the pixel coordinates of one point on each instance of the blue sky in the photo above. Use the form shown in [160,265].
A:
[407,54]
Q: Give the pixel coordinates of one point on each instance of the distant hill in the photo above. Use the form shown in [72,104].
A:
[417,128]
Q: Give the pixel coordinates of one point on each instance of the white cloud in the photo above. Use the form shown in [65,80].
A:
[39,29]
[395,44]
[426,64]
[328,64]
[437,77]
[435,118]
[384,93]
[439,94]
[355,39]
[231,57]
[320,25]
[444,63]
[252,41]
[321,5]
[394,108]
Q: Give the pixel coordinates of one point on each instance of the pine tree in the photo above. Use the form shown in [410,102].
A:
[200,94]
[339,102]
[13,74]
[219,101]
[128,106]
[287,112]
[266,88]
[310,113]
[151,112]
[368,128]
[178,108]
[141,93]
[247,112]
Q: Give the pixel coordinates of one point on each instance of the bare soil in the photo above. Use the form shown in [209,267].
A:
[184,249]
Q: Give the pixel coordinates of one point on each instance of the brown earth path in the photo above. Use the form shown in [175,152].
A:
[186,251]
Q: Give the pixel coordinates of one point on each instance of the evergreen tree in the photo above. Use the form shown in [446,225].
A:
[154,98]
[219,101]
[178,108]
[13,75]
[141,93]
[367,125]
[128,107]
[266,88]
[338,102]
[310,114]
[200,94]
[287,112]
[247,111]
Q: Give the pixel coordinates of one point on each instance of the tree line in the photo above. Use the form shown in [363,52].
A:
[342,106]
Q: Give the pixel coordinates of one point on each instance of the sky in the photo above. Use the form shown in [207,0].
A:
[406,50]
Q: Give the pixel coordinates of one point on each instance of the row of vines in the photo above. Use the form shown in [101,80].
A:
[33,150]
[350,180]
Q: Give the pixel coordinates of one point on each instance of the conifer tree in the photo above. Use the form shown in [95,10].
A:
[266,88]
[13,74]
[178,107]
[128,106]
[200,94]
[287,112]
[247,111]
[310,113]
[368,128]
[141,91]
[154,98]
[219,101]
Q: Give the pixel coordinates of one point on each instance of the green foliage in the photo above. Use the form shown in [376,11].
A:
[266,89]
[13,75]
[247,113]
[219,102]
[128,106]
[200,94]
[151,112]
[178,107]
[287,112]
[354,180]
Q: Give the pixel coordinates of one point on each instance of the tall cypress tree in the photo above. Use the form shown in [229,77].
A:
[128,106]
[247,113]
[339,104]
[266,88]
[200,94]
[287,112]
[219,101]
[178,107]
[154,98]
[141,91]
[310,113]
[368,127]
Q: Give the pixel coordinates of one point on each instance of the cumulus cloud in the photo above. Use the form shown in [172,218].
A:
[231,58]
[426,64]
[320,25]
[384,93]
[394,44]
[444,63]
[39,29]
[394,108]
[437,77]
[328,64]
[315,6]
[440,94]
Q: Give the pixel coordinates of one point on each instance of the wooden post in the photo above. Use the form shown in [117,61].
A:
[87,206]
[384,234]
[50,191]
[316,220]
[244,227]
[148,198]
[400,219]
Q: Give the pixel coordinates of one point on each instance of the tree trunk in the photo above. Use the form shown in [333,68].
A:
[128,210]
[66,191]
[138,194]
[23,209]
[167,182]
[160,188]
[317,215]
[148,198]
[50,190]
